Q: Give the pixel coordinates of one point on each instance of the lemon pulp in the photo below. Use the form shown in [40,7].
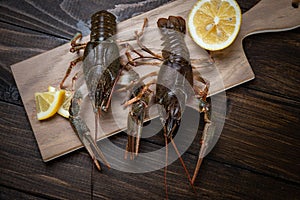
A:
[214,24]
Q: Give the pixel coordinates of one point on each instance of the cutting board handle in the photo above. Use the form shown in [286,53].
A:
[270,16]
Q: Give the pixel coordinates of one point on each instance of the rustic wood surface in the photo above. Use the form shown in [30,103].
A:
[56,137]
[227,69]
[256,157]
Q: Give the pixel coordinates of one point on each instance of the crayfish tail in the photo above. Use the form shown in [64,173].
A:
[174,23]
[104,25]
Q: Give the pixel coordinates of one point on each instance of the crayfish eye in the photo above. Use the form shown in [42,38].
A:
[104,108]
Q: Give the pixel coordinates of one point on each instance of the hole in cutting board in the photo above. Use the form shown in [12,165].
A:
[295,3]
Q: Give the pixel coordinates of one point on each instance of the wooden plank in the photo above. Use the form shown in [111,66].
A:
[8,90]
[9,193]
[21,166]
[36,16]
[239,172]
[261,133]
[217,180]
[20,43]
[260,137]
[278,65]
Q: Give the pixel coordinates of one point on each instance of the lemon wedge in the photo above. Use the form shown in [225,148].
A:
[64,108]
[51,89]
[48,103]
[214,24]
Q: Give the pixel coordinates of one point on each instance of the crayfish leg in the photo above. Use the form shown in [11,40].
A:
[138,139]
[75,47]
[69,70]
[206,135]
[166,166]
[203,107]
[141,45]
[133,61]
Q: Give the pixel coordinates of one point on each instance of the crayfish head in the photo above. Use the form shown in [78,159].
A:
[171,119]
[134,128]
[135,120]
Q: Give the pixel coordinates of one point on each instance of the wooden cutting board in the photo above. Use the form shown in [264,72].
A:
[55,137]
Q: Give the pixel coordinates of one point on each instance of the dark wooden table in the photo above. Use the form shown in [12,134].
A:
[256,157]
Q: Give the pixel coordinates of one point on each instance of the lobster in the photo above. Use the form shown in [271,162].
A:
[175,86]
[101,70]
[172,93]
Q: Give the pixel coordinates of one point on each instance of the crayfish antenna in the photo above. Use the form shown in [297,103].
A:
[166,166]
[183,165]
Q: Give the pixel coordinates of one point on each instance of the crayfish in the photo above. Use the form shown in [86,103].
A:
[101,69]
[174,84]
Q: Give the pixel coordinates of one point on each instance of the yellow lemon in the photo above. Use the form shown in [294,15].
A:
[214,24]
[48,103]
[51,89]
[64,108]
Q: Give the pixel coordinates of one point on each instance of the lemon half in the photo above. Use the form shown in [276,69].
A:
[214,24]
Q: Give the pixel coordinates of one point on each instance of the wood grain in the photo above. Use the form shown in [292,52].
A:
[63,18]
[7,193]
[11,53]
[24,26]
[280,67]
[220,177]
[228,184]
[286,18]
[255,157]
[21,165]
[220,75]
[251,136]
